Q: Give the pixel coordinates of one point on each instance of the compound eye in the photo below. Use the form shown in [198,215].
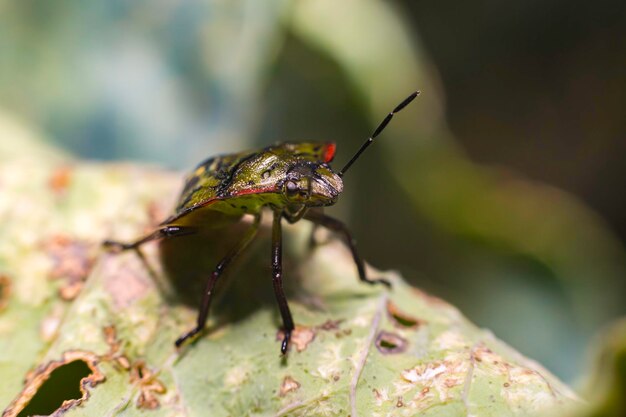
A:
[291,188]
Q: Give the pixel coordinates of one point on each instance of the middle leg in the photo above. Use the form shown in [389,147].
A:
[203,314]
[277,280]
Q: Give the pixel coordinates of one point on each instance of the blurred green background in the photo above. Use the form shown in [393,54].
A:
[501,189]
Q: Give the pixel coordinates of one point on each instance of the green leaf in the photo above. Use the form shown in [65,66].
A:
[358,350]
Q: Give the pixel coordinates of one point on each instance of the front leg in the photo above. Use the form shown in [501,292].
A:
[277,279]
[335,225]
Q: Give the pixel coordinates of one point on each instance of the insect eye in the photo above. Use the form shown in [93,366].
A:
[291,188]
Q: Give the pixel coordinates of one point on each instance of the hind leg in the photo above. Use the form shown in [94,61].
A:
[162,233]
[207,297]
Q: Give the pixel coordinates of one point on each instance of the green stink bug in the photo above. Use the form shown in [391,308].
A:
[294,180]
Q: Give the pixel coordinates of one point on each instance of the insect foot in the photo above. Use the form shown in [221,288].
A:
[115,247]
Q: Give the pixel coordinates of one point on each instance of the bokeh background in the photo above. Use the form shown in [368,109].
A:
[501,189]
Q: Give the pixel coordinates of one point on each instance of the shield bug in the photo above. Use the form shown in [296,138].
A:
[293,180]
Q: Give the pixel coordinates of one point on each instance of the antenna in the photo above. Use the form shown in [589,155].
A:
[379,129]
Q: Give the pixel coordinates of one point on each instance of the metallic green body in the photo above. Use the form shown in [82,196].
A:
[223,188]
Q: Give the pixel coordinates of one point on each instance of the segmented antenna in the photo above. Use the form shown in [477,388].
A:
[379,129]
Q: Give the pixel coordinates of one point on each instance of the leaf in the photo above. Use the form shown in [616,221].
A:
[75,315]
[606,385]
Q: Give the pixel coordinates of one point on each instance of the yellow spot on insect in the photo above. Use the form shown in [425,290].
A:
[198,172]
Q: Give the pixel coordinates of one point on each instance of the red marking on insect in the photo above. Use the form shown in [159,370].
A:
[329,152]
[215,200]
[254,191]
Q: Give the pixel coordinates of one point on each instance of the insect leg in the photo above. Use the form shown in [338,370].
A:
[277,280]
[164,232]
[205,305]
[337,226]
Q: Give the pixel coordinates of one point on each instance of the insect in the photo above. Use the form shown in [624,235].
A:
[294,180]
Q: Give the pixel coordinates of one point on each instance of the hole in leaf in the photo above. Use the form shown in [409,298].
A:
[401,319]
[63,384]
[405,321]
[390,343]
[387,344]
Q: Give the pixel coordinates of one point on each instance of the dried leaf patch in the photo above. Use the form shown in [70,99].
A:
[301,337]
[5,291]
[149,385]
[60,180]
[71,262]
[288,385]
[401,319]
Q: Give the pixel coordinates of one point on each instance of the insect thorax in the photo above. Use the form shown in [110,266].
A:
[285,175]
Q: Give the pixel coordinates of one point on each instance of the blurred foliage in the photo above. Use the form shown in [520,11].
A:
[607,385]
[175,82]
[539,87]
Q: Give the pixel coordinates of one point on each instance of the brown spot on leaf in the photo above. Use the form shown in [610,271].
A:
[60,180]
[301,337]
[450,382]
[399,403]
[114,354]
[377,394]
[5,291]
[126,281]
[72,365]
[390,343]
[110,337]
[401,319]
[123,362]
[71,290]
[330,325]
[289,384]
[150,387]
[71,262]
